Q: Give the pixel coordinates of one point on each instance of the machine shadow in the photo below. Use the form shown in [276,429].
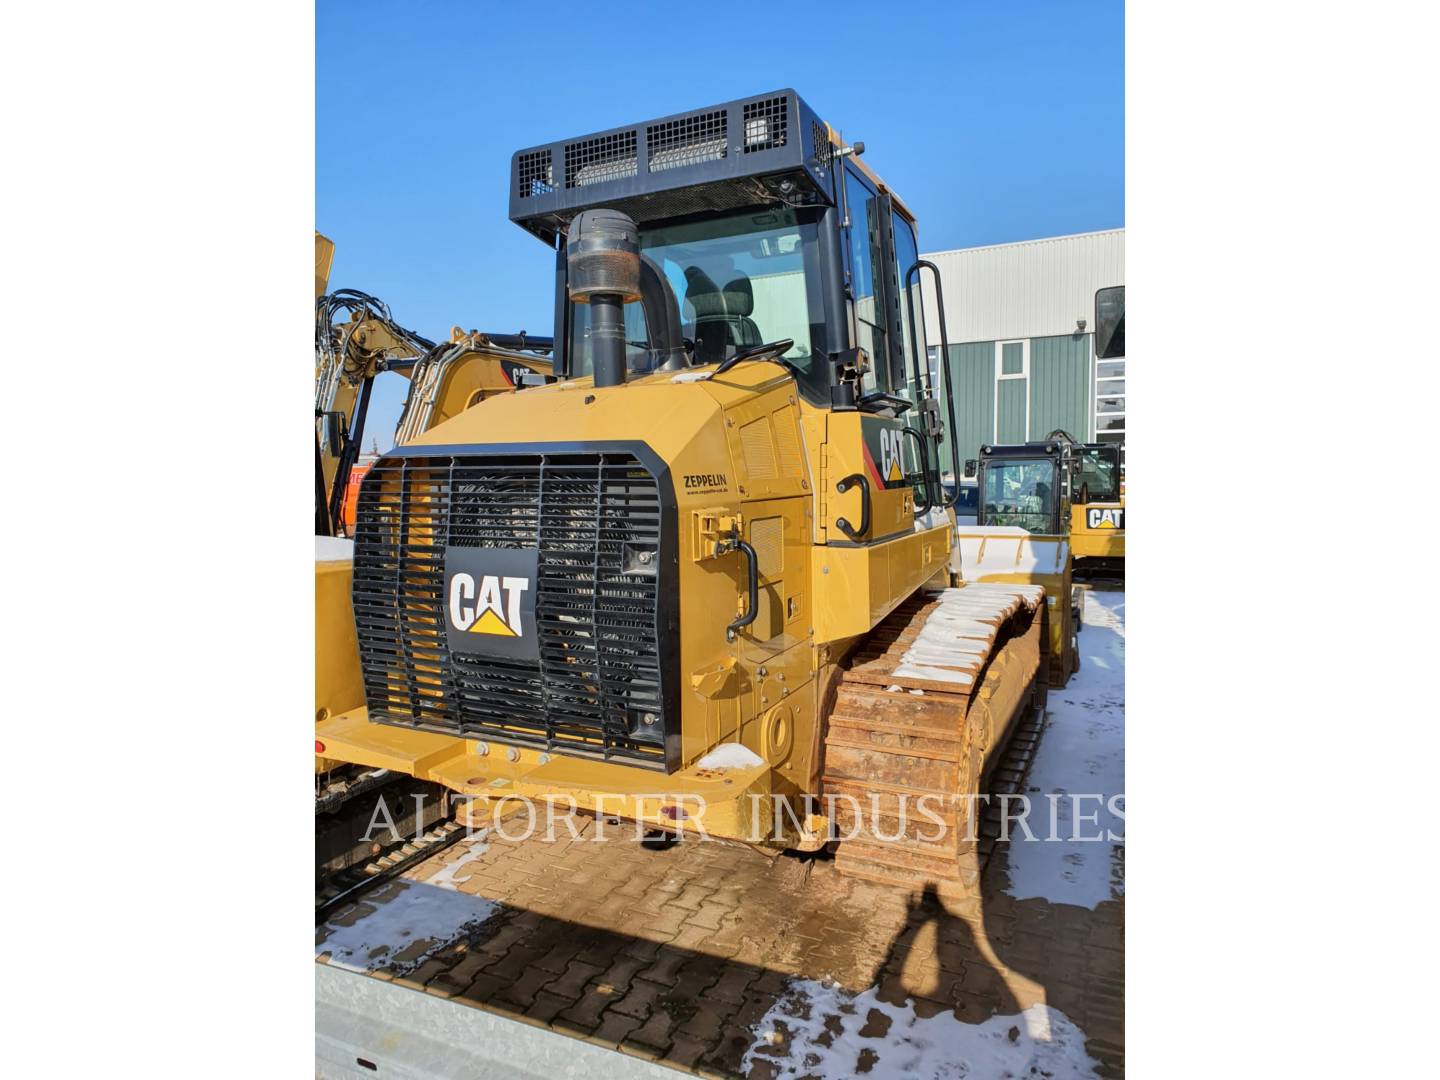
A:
[984,955]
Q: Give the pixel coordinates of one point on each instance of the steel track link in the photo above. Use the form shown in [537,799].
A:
[883,748]
[345,886]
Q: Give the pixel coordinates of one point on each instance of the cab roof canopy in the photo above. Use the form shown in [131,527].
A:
[755,151]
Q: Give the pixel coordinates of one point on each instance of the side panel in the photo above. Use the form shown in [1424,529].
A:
[873,447]
[861,585]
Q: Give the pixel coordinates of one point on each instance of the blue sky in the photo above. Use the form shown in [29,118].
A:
[994,121]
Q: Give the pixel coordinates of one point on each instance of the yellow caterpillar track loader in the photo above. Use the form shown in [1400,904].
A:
[1022,535]
[707,578]
[444,379]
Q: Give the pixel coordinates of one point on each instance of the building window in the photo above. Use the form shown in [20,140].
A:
[1110,402]
[1012,391]
[1012,358]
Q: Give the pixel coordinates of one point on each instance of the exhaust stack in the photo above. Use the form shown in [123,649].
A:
[603,259]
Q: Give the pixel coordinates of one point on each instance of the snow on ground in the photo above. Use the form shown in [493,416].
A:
[414,923]
[448,876]
[1082,752]
[821,1030]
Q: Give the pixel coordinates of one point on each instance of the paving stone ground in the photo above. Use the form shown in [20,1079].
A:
[675,951]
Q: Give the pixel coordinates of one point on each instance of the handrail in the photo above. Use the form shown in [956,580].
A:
[924,457]
[843,524]
[752,607]
[937,497]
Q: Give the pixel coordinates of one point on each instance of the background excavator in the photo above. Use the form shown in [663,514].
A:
[714,562]
[357,339]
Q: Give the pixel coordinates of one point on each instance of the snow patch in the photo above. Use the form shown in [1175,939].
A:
[405,930]
[1082,752]
[957,635]
[447,877]
[813,1029]
[414,923]
[730,755]
[334,549]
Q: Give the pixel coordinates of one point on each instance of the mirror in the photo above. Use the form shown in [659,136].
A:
[969,468]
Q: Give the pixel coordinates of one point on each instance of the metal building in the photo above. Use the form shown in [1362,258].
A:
[1020,319]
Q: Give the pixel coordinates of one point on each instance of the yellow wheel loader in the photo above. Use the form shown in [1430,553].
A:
[707,579]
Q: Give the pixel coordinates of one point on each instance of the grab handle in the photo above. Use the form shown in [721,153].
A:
[752,606]
[843,524]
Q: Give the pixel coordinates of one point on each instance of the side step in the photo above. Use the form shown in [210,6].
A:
[920,717]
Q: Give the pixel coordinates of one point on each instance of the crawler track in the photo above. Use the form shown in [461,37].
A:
[919,722]
[344,886]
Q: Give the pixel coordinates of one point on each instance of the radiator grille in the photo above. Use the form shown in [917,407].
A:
[596,520]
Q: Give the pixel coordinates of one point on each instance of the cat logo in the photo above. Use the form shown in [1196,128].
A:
[489,601]
[891,455]
[483,612]
[1105,517]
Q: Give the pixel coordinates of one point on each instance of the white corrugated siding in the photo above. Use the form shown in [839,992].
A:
[1034,288]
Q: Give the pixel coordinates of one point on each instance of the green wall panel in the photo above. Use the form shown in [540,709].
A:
[972,367]
[1060,385]
[1011,425]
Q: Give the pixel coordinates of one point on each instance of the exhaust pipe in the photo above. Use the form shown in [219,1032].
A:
[602,251]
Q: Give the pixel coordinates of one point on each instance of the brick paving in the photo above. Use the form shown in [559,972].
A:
[675,951]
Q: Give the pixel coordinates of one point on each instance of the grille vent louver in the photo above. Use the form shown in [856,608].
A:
[598,620]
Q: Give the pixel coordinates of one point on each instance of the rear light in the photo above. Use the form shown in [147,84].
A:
[319,747]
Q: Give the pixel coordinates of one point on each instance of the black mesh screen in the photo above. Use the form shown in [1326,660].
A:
[536,172]
[687,141]
[605,157]
[596,522]
[766,122]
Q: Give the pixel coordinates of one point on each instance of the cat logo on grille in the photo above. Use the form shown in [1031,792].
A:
[492,609]
[489,598]
[1105,517]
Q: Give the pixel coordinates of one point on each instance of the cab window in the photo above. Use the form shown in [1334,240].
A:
[1021,494]
[1098,479]
[864,248]
[906,252]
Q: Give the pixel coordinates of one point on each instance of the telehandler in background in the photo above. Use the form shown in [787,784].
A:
[713,564]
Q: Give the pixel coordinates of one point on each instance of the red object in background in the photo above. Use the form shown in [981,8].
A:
[352,495]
